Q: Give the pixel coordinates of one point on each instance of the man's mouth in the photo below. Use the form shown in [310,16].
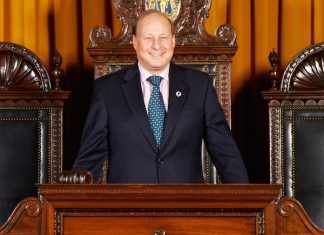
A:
[156,54]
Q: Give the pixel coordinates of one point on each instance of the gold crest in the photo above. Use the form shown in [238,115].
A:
[171,8]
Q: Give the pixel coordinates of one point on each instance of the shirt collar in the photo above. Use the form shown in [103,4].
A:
[145,74]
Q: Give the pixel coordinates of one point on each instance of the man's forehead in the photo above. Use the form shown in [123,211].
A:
[154,17]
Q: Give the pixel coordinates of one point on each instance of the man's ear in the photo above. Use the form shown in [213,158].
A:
[134,42]
[173,40]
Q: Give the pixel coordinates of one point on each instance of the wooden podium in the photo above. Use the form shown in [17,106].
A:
[158,209]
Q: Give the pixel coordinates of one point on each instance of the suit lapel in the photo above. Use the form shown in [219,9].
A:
[178,93]
[134,98]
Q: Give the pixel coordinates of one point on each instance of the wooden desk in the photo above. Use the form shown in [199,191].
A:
[158,209]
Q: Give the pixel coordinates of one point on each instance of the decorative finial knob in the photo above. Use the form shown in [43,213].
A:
[57,71]
[274,72]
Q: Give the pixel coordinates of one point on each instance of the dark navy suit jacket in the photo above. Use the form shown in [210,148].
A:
[117,126]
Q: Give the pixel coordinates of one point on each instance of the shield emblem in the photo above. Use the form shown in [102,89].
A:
[171,8]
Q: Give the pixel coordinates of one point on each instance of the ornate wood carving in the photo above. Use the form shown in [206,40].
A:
[293,219]
[275,143]
[223,192]
[293,110]
[21,69]
[25,219]
[188,18]
[26,100]
[305,71]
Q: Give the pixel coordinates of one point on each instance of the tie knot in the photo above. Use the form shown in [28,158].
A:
[155,80]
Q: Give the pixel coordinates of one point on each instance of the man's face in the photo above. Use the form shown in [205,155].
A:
[154,42]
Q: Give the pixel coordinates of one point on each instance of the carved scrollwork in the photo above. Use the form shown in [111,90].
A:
[286,208]
[188,17]
[32,208]
[29,207]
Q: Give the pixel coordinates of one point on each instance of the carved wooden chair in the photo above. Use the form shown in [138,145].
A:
[296,116]
[31,127]
[194,48]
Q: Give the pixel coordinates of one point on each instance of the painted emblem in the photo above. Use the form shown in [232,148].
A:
[171,8]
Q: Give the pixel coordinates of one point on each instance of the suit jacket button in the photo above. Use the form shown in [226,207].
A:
[160,161]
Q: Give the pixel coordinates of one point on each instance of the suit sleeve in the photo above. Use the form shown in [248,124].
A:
[219,141]
[94,144]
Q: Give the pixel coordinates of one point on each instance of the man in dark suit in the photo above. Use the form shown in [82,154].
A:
[119,124]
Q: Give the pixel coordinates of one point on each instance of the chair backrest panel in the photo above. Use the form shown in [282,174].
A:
[31,121]
[296,115]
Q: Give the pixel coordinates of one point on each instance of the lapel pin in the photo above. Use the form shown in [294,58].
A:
[178,93]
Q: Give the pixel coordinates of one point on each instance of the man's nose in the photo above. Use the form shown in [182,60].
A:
[156,43]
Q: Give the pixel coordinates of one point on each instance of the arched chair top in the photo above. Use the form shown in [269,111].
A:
[21,69]
[188,18]
[305,71]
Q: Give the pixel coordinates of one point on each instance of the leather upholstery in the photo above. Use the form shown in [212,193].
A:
[304,159]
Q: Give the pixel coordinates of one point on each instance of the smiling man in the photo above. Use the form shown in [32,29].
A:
[154,42]
[150,119]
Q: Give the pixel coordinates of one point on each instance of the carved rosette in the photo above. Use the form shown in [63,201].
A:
[304,73]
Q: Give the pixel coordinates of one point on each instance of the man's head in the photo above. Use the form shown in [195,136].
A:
[154,41]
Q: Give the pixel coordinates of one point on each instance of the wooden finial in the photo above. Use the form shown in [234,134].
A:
[274,72]
[57,71]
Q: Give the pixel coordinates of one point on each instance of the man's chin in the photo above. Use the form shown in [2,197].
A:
[156,69]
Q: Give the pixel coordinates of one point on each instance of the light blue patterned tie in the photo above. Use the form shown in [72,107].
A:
[156,109]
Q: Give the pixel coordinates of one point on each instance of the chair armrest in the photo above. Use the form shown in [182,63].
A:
[76,177]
